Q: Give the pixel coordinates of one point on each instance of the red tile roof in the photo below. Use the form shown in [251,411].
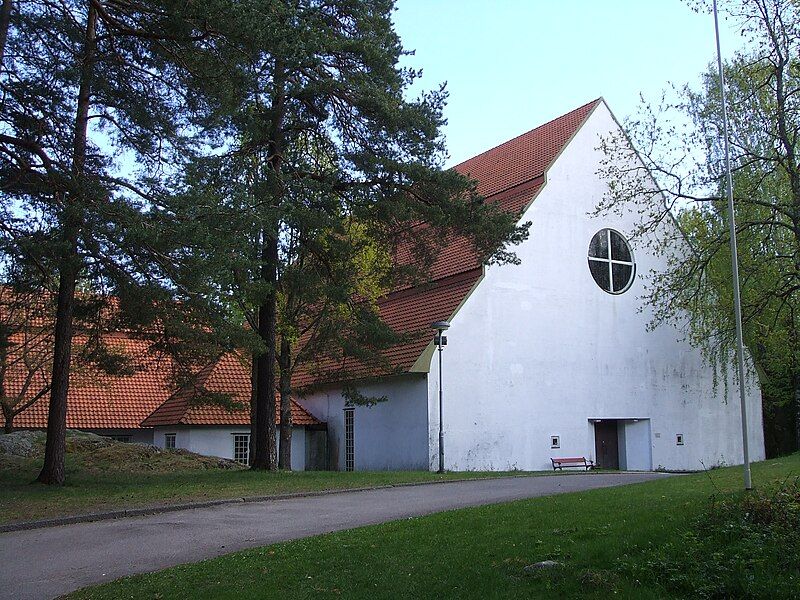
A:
[511,174]
[408,311]
[97,400]
[228,375]
[526,156]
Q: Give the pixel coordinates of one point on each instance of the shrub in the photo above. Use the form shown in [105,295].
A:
[743,546]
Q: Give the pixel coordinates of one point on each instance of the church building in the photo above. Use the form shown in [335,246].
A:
[548,358]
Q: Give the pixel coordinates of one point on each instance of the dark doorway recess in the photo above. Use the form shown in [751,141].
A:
[606,447]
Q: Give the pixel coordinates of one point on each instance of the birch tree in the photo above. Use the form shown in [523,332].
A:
[680,144]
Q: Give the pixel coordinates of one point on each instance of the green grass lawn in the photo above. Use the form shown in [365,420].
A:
[638,541]
[118,476]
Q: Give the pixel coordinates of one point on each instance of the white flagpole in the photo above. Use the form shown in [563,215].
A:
[737,302]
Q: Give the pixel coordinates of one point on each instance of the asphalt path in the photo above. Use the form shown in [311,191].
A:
[49,562]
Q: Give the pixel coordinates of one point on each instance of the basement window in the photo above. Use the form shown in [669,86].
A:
[169,441]
[241,448]
[611,261]
[555,441]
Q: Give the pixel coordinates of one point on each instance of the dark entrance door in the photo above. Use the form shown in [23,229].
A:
[606,448]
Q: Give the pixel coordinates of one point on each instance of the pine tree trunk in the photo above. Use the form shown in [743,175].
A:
[797,411]
[285,362]
[5,19]
[266,446]
[52,472]
[8,411]
[265,451]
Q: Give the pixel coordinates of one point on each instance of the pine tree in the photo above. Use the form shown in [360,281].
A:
[315,132]
[92,124]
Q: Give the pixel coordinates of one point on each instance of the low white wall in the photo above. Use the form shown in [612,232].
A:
[391,435]
[218,441]
[182,436]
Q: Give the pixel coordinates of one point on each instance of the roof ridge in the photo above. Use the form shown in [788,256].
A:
[565,115]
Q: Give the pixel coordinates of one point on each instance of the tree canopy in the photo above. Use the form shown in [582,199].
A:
[322,157]
[212,165]
[679,170]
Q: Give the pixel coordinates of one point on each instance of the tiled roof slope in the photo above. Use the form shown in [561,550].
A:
[526,156]
[97,400]
[511,174]
[228,375]
[408,311]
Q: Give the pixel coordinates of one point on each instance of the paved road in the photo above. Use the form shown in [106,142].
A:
[45,563]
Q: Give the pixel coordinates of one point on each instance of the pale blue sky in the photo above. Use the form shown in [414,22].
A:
[514,64]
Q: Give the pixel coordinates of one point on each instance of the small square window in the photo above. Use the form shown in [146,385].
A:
[679,439]
[169,440]
[555,441]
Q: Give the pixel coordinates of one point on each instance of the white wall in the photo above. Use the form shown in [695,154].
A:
[539,350]
[635,451]
[391,435]
[182,436]
[218,441]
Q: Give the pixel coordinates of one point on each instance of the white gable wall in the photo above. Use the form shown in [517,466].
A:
[539,350]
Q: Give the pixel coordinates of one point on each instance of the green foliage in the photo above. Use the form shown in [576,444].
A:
[680,170]
[353,397]
[323,172]
[79,194]
[196,160]
[745,546]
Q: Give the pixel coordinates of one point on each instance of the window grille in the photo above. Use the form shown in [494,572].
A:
[241,448]
[349,445]
[611,261]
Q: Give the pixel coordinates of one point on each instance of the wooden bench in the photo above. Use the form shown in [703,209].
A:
[574,461]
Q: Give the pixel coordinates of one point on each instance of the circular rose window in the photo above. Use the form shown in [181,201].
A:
[611,261]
